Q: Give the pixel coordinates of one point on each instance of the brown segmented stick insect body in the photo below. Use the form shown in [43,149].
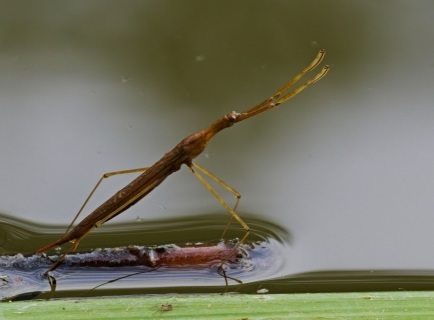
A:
[183,153]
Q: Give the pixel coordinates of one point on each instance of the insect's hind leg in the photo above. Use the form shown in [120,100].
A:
[237,195]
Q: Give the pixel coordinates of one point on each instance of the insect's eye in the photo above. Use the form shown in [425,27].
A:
[233,116]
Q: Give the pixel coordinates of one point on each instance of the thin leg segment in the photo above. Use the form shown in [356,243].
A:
[104,176]
[315,63]
[283,94]
[219,198]
[225,185]
[293,93]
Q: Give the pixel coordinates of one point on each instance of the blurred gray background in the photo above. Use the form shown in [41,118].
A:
[347,167]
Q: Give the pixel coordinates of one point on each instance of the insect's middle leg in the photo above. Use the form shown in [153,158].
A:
[220,199]
[103,177]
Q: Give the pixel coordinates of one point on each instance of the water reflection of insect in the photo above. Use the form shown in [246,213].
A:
[183,153]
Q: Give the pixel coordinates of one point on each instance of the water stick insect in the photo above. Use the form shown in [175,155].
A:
[183,153]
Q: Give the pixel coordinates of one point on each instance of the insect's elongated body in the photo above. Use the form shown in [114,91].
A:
[183,153]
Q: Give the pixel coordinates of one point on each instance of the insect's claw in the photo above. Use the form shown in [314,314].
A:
[52,281]
[222,272]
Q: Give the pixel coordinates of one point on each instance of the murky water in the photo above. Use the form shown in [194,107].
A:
[265,266]
[264,257]
[338,182]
